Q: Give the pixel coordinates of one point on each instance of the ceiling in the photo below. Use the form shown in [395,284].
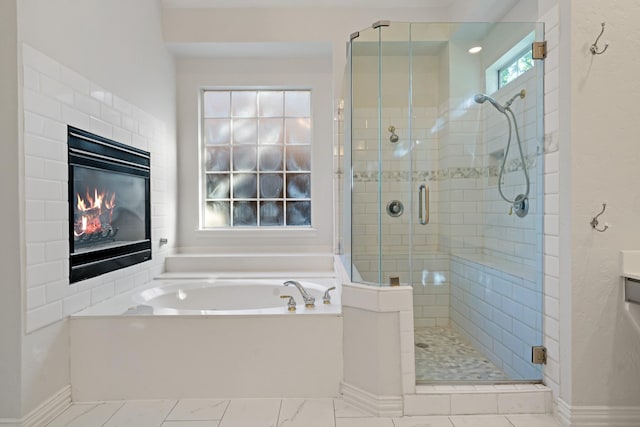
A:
[307,3]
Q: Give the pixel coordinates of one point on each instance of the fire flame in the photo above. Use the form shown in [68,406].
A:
[93,212]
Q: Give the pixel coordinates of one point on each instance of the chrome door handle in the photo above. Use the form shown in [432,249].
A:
[423,196]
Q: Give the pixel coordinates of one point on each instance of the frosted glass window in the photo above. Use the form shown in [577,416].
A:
[271,186]
[244,186]
[298,131]
[299,213]
[216,214]
[217,159]
[297,104]
[271,213]
[298,186]
[271,131]
[218,186]
[217,104]
[217,131]
[245,131]
[270,158]
[271,104]
[299,158]
[244,159]
[256,158]
[244,103]
[244,213]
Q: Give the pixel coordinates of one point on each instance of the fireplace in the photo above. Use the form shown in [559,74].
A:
[109,207]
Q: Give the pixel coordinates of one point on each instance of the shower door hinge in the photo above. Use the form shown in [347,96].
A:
[539,50]
[379,24]
[539,355]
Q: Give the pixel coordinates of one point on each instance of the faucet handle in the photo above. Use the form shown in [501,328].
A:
[291,304]
[326,298]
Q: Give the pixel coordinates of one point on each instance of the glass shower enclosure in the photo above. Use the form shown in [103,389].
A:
[442,189]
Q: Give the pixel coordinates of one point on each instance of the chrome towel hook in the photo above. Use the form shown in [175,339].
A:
[595,50]
[594,221]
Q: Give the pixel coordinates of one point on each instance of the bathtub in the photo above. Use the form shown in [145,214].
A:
[231,297]
[210,336]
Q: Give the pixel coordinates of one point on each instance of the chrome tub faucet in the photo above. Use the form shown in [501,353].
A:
[326,298]
[309,300]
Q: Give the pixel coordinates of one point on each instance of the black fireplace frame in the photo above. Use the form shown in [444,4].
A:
[93,151]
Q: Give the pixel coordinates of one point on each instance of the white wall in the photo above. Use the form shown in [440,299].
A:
[101,66]
[117,44]
[602,158]
[250,28]
[11,301]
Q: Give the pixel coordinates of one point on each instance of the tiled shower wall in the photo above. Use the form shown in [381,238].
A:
[450,156]
[496,293]
[54,97]
[429,267]
[498,312]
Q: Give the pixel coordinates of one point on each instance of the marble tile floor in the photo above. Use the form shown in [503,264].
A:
[266,413]
[444,355]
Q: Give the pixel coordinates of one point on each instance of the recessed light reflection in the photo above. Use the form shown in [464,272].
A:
[439,278]
[475,49]
[182,295]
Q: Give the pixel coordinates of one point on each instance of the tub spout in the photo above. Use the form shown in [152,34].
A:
[309,300]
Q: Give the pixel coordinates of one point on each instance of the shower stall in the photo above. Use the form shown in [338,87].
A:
[441,185]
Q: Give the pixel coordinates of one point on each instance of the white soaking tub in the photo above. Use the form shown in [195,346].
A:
[232,296]
[215,335]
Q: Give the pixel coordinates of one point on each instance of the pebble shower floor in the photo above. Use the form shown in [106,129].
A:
[442,355]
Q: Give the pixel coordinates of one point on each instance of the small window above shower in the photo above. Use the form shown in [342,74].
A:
[512,70]
[516,61]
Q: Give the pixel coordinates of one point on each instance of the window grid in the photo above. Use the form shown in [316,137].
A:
[257,169]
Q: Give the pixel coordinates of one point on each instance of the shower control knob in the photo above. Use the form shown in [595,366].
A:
[395,208]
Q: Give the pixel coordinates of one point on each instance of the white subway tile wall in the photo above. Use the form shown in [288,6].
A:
[498,312]
[54,97]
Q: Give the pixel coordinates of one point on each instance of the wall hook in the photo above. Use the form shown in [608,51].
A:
[594,221]
[595,50]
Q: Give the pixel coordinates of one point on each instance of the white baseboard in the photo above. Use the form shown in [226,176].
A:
[382,406]
[44,413]
[598,416]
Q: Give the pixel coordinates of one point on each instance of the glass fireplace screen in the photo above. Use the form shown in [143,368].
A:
[109,205]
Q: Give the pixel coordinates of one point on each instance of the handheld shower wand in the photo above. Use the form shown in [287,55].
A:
[481,98]
[521,203]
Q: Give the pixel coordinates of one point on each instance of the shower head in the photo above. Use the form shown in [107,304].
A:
[481,98]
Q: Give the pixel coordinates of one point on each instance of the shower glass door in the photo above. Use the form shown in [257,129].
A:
[446,150]
[381,155]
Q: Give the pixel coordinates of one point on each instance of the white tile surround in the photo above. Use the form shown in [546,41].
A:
[54,97]
[499,312]
[268,413]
